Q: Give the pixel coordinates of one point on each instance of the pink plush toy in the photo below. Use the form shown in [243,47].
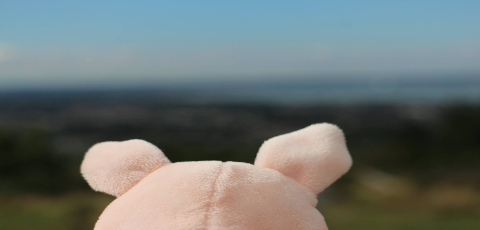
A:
[278,192]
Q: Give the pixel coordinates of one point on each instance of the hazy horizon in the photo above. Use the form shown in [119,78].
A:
[307,90]
[59,44]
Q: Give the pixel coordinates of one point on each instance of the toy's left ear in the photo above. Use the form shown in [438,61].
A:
[315,156]
[114,167]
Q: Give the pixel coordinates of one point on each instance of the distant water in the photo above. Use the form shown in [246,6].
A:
[450,90]
[302,91]
[467,94]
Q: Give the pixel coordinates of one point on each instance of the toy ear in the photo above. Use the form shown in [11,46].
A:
[115,167]
[315,156]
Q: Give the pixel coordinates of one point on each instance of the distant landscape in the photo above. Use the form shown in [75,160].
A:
[411,88]
[213,80]
[416,147]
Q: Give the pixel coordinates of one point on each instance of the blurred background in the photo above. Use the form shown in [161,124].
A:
[212,80]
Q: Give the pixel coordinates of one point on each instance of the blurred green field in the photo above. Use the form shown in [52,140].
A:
[408,173]
[76,211]
[372,217]
[79,211]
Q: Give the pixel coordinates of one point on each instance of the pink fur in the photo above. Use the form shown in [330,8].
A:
[114,167]
[315,156]
[278,192]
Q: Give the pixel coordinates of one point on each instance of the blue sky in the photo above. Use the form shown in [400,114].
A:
[62,43]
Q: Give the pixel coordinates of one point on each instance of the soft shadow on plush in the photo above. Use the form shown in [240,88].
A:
[277,192]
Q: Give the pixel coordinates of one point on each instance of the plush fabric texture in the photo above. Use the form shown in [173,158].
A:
[278,192]
[315,156]
[114,167]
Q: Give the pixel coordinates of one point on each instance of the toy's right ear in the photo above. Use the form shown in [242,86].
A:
[315,156]
[115,167]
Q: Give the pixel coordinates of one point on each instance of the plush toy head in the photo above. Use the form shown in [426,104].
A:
[277,192]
